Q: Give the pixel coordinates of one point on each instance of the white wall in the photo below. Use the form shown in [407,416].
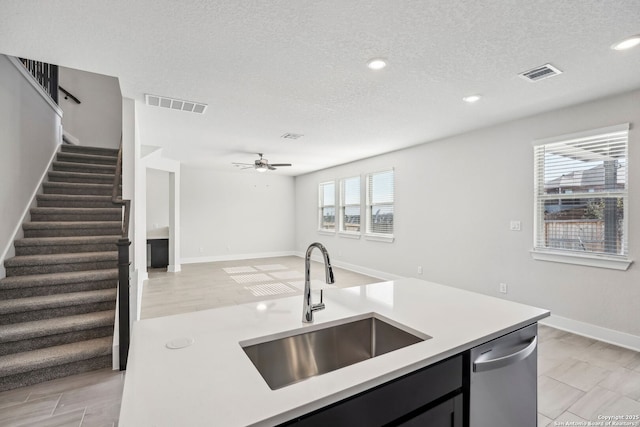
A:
[228,215]
[29,137]
[454,201]
[157,199]
[97,121]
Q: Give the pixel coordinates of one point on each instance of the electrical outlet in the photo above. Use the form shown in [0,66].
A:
[419,269]
[515,226]
[503,288]
[201,249]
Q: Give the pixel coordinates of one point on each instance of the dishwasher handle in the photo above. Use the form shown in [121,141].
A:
[499,362]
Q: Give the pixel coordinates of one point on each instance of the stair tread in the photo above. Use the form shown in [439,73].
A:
[73,148]
[72,240]
[88,156]
[63,164]
[73,197]
[34,280]
[81,174]
[52,356]
[76,185]
[65,258]
[56,325]
[57,300]
[95,211]
[70,224]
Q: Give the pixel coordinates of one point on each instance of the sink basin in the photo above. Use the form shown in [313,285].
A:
[301,355]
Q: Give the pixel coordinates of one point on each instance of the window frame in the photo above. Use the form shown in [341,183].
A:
[369,235]
[322,205]
[592,259]
[343,205]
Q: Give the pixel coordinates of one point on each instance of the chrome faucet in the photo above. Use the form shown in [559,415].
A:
[307,307]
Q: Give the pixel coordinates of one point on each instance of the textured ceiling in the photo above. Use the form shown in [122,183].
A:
[270,67]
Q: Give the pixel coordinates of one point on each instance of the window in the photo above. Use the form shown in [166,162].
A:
[581,194]
[327,206]
[350,205]
[380,196]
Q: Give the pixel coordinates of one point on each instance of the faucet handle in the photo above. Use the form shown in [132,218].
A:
[319,306]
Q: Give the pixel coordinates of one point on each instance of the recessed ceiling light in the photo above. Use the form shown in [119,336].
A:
[471,98]
[627,43]
[376,64]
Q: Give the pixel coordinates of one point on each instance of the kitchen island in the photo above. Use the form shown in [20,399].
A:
[211,381]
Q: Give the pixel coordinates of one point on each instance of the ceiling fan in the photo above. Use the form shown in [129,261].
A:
[261,165]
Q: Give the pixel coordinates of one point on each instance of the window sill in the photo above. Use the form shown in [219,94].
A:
[380,237]
[327,232]
[349,235]
[614,263]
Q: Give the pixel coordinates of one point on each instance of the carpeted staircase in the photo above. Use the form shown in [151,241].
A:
[57,303]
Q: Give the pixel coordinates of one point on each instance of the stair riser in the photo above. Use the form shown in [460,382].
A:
[116,216]
[51,340]
[10,382]
[35,291]
[84,168]
[77,158]
[97,179]
[52,188]
[49,232]
[67,148]
[60,268]
[48,203]
[63,249]
[29,316]
[47,313]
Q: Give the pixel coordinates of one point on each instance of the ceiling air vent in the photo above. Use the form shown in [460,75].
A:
[292,136]
[175,104]
[540,73]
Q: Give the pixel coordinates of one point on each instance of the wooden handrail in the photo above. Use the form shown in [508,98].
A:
[68,94]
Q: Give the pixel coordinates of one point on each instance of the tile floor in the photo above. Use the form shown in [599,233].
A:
[579,379]
[582,380]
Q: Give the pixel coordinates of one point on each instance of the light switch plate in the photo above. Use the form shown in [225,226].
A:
[515,226]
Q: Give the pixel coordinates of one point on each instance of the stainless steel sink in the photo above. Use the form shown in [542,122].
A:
[293,358]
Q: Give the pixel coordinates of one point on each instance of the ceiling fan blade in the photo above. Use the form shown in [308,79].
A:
[280,164]
[271,168]
[242,164]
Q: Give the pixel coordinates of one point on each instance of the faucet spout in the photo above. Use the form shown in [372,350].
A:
[307,307]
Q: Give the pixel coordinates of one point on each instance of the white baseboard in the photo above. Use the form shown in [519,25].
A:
[621,339]
[174,268]
[9,250]
[235,257]
[382,275]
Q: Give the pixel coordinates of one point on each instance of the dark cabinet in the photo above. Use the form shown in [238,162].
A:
[446,414]
[432,393]
[159,252]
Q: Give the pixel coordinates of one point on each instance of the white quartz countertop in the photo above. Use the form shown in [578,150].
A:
[213,382]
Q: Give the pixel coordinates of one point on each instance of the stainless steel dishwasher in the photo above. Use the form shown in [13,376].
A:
[503,381]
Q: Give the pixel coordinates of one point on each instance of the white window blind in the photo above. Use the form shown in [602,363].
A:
[327,206]
[350,205]
[581,192]
[380,199]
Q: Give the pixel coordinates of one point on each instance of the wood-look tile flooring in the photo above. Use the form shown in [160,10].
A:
[582,380]
[579,379]
[217,284]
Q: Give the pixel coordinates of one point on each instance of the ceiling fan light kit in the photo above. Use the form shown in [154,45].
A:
[261,165]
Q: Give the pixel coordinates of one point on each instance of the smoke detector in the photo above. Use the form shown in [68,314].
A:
[540,73]
[175,104]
